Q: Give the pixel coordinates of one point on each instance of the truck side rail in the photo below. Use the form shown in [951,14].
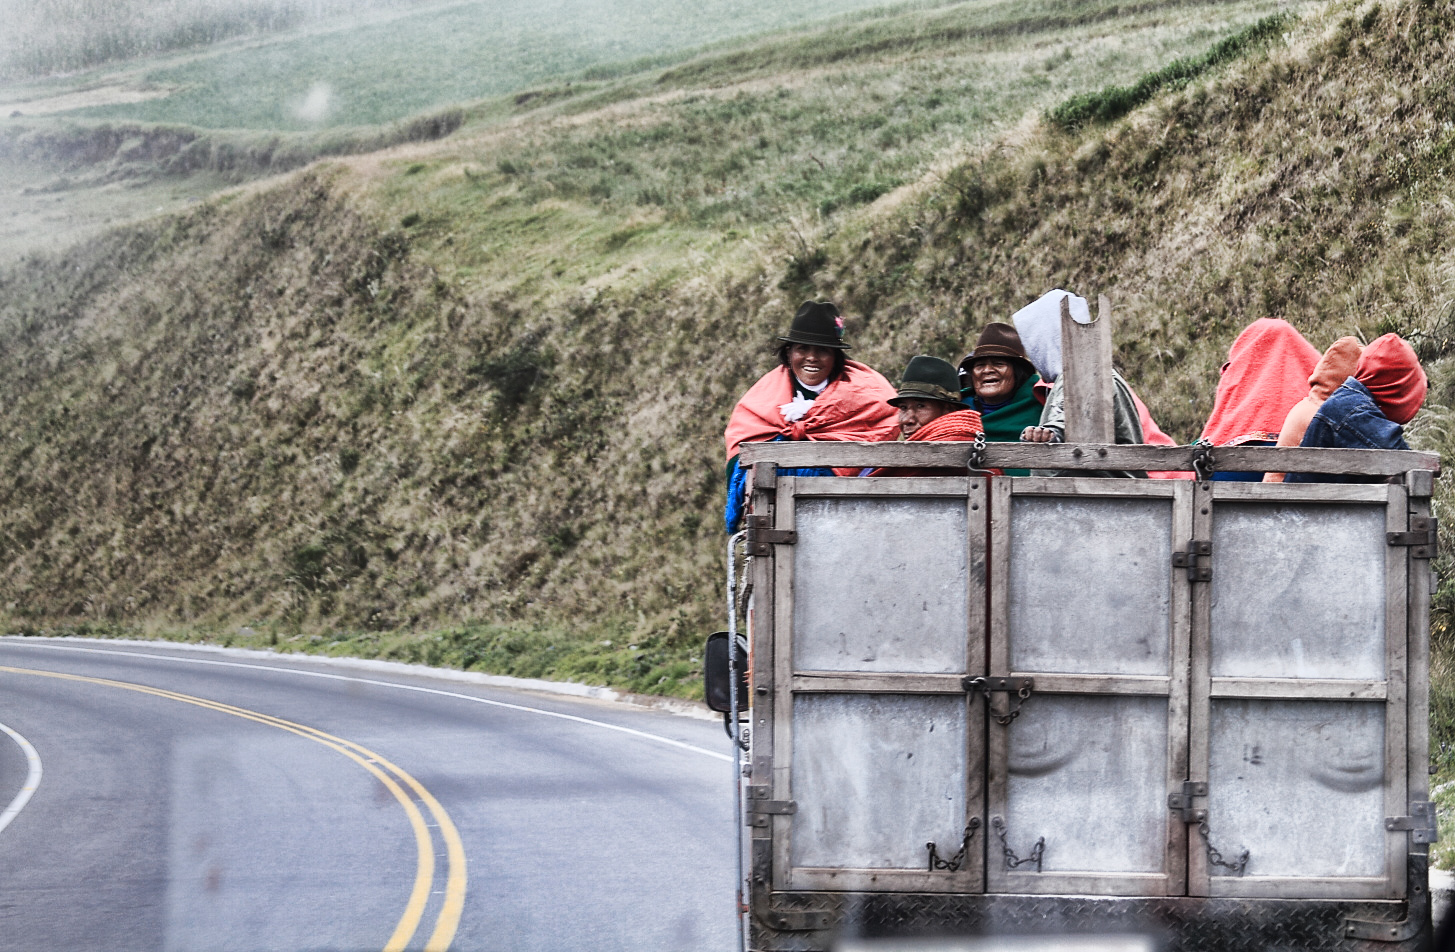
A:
[1091,456]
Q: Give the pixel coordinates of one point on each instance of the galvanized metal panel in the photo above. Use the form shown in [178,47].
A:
[880,584]
[876,777]
[1089,774]
[1089,588]
[1298,591]
[1300,786]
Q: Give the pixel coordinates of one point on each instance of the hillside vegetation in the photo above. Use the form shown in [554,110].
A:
[462,401]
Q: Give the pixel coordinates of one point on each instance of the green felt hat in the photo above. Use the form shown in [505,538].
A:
[929,378]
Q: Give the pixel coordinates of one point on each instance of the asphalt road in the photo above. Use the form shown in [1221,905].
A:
[196,801]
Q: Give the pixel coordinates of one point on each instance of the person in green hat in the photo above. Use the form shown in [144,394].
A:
[931,410]
[930,391]
[815,393]
[1000,381]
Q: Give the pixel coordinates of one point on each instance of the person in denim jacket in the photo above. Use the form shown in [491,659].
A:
[1370,409]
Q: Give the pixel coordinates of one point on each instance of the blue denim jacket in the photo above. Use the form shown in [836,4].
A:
[1350,418]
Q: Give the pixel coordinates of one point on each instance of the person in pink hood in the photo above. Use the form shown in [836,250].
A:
[1266,374]
[1369,410]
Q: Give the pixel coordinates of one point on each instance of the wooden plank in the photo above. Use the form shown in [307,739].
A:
[1301,492]
[886,486]
[1086,367]
[1094,487]
[1199,701]
[1299,689]
[1135,685]
[777,728]
[860,682]
[1081,884]
[1060,456]
[1280,887]
[893,880]
[1398,565]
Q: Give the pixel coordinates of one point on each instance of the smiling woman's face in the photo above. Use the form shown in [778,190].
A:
[810,364]
[994,379]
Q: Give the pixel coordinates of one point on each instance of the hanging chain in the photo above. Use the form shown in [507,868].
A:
[1013,861]
[1202,461]
[976,460]
[1215,856]
[954,863]
[971,685]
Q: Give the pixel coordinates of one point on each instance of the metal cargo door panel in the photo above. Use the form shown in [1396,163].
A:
[879,610]
[1298,701]
[1087,602]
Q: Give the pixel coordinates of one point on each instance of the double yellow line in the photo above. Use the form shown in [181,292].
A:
[448,920]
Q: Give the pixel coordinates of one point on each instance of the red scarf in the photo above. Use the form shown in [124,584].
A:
[850,408]
[960,426]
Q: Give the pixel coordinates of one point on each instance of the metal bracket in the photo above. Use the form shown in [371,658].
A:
[1181,801]
[761,898]
[998,685]
[1423,537]
[1417,914]
[762,536]
[1422,824]
[1197,560]
[760,806]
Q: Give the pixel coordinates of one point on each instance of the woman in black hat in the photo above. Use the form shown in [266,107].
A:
[815,393]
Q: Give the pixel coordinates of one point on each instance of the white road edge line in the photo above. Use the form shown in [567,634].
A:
[32,779]
[387,684]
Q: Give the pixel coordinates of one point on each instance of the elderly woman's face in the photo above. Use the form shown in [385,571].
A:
[914,414]
[810,364]
[994,379]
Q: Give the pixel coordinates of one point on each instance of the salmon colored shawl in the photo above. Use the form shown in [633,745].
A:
[959,426]
[850,408]
[1266,374]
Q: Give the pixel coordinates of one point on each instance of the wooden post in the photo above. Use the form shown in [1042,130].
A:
[1086,365]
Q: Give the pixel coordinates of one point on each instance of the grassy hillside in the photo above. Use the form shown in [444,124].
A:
[462,401]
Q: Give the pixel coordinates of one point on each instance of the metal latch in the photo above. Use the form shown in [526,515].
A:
[1422,824]
[760,805]
[1197,560]
[1423,537]
[762,536]
[1181,802]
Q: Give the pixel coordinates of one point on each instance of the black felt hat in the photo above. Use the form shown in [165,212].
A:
[929,378]
[817,324]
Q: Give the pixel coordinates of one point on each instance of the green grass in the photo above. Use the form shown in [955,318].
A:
[363,75]
[610,656]
[1113,102]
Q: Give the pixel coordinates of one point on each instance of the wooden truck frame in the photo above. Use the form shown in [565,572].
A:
[984,705]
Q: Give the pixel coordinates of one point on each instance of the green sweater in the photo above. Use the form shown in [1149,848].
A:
[1005,423]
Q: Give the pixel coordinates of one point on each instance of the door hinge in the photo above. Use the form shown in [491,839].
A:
[762,536]
[1181,801]
[760,806]
[1197,560]
[1423,537]
[1422,824]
